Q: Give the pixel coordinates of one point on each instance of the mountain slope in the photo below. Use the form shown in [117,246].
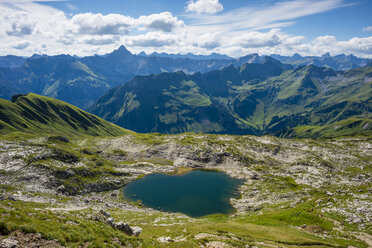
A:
[267,98]
[43,115]
[62,77]
[177,102]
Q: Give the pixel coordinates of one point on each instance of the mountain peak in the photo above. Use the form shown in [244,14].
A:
[271,60]
[122,50]
[296,56]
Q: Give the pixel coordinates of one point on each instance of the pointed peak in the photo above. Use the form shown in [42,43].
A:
[122,50]
[326,55]
[269,59]
[296,56]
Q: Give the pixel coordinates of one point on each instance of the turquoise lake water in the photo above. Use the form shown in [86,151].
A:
[196,193]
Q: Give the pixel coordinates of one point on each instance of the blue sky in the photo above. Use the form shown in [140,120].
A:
[233,27]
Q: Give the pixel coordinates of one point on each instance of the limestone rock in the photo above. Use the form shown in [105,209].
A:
[136,230]
[105,213]
[123,227]
[165,239]
[9,243]
[110,221]
[217,244]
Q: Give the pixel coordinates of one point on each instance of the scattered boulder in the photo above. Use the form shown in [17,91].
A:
[114,194]
[9,243]
[105,213]
[255,176]
[61,189]
[136,231]
[165,239]
[110,221]
[217,244]
[123,227]
[20,239]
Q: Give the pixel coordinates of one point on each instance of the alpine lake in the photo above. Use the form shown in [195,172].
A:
[196,193]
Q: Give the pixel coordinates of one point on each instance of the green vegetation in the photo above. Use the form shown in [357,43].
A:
[60,165]
[290,212]
[77,228]
[268,98]
[36,114]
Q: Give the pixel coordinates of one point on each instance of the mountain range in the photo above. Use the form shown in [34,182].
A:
[338,62]
[81,81]
[257,98]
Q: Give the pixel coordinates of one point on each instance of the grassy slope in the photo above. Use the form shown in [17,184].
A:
[251,99]
[346,127]
[43,115]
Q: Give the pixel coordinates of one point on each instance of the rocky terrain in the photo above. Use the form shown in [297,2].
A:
[296,193]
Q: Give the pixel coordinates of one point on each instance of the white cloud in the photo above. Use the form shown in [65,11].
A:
[98,24]
[257,39]
[262,17]
[99,40]
[208,41]
[19,24]
[356,45]
[164,21]
[28,27]
[151,39]
[204,6]
[21,45]
[369,28]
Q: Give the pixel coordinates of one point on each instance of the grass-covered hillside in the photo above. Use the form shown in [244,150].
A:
[36,114]
[266,98]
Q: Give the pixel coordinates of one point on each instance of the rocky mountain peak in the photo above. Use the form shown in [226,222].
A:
[121,51]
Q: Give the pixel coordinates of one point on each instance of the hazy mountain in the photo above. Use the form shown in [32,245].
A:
[338,62]
[267,98]
[11,61]
[63,77]
[81,81]
[188,56]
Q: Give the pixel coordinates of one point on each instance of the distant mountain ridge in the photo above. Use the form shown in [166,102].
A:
[188,55]
[81,81]
[338,62]
[265,98]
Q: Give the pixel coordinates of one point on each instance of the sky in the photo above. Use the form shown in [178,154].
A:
[232,27]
